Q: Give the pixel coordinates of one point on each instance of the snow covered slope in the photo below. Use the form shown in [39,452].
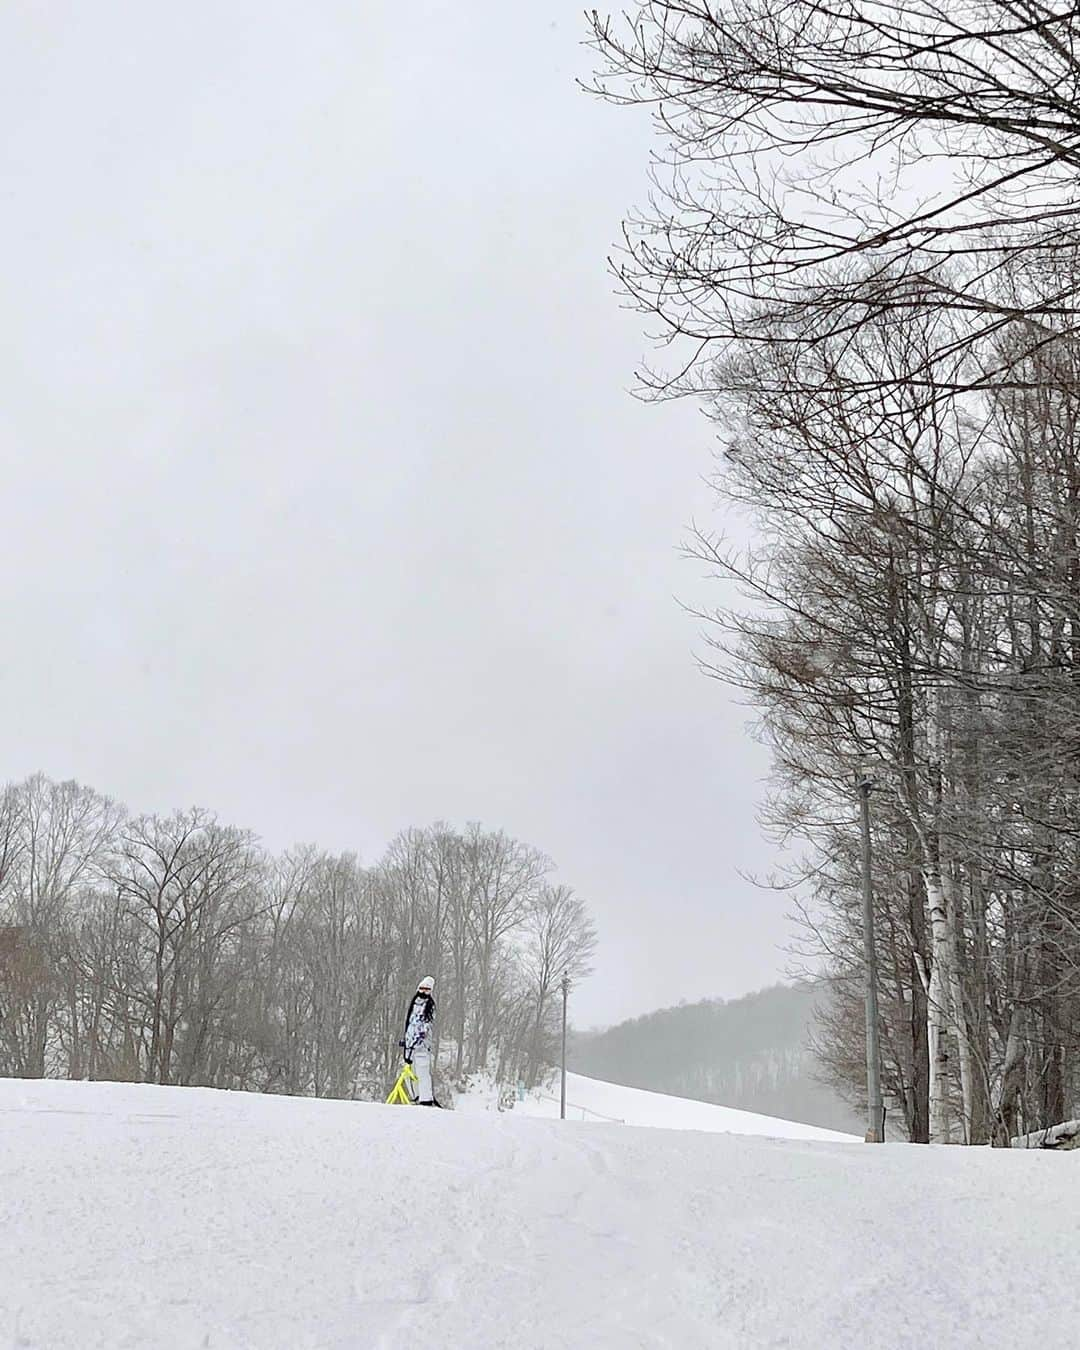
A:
[590,1099]
[171,1217]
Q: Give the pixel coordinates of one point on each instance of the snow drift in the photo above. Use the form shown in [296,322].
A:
[136,1216]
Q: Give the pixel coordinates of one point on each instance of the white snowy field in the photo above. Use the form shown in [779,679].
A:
[137,1216]
[589,1099]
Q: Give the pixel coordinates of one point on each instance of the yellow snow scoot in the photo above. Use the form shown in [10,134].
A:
[400,1094]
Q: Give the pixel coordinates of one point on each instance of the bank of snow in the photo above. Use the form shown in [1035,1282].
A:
[588,1099]
[182,1218]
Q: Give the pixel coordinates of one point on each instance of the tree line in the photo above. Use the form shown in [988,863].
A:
[863,250]
[176,949]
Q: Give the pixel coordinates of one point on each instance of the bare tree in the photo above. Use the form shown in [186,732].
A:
[559,941]
[54,839]
[819,164]
[502,878]
[187,884]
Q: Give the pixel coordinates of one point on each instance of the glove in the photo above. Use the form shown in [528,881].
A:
[408,1057]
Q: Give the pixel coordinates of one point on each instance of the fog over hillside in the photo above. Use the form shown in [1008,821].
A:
[752,1053]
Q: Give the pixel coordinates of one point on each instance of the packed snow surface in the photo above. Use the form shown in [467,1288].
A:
[590,1099]
[138,1216]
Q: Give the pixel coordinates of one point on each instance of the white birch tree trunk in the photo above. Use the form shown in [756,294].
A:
[958,1017]
[937,1012]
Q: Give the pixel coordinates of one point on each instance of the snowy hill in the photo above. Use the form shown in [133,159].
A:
[588,1099]
[179,1218]
[752,1053]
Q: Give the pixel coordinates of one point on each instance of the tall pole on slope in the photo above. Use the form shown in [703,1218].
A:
[565,982]
[875,1125]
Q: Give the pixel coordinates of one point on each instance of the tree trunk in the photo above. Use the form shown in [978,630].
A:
[956,1000]
[937,1023]
[1012,1080]
[920,1043]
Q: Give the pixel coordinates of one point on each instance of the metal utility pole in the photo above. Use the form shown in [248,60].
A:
[565,982]
[875,1123]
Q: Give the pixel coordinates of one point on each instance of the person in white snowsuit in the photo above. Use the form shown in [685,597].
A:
[419,1034]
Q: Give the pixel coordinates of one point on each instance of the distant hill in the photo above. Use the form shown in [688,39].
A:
[751,1053]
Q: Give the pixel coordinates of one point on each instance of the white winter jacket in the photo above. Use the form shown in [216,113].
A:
[419,1023]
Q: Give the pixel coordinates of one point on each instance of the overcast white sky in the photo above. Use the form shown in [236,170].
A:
[326,505]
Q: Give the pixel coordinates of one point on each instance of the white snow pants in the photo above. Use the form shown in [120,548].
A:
[421,1062]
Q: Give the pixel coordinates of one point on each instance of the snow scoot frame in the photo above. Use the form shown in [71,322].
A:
[399,1093]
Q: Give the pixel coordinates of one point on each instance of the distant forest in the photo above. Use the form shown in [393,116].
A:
[752,1053]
